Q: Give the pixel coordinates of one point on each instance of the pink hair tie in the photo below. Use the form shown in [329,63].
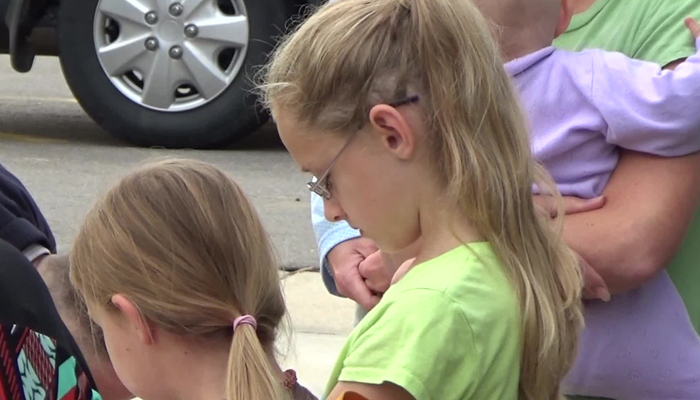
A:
[245,320]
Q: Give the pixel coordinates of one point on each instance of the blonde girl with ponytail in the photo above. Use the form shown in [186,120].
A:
[402,111]
[177,270]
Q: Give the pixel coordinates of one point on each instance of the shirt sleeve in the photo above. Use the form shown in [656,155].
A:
[648,109]
[328,235]
[21,222]
[406,346]
[663,37]
[35,251]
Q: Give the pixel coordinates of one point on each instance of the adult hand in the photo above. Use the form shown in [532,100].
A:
[594,286]
[374,271]
[345,260]
[570,204]
[693,26]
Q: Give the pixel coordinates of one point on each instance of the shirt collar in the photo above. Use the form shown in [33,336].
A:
[518,65]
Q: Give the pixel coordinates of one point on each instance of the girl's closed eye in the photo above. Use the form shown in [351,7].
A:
[328,183]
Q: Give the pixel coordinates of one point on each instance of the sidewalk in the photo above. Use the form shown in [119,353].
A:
[320,323]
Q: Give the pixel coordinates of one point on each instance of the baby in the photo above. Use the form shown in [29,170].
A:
[581,107]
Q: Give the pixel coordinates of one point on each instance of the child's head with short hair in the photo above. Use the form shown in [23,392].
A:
[166,261]
[403,110]
[55,271]
[525,26]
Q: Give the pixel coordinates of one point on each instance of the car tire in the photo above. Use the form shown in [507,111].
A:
[229,116]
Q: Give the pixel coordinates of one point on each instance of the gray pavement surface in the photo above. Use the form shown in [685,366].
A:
[66,161]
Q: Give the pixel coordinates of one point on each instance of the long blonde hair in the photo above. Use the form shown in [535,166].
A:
[182,242]
[354,54]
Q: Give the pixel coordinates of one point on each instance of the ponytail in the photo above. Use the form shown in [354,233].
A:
[483,151]
[249,374]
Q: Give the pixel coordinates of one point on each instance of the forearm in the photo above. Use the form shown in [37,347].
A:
[21,222]
[328,235]
[655,110]
[650,204]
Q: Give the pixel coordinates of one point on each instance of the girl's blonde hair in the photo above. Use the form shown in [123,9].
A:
[354,54]
[182,242]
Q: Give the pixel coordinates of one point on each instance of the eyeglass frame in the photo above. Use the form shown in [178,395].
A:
[318,186]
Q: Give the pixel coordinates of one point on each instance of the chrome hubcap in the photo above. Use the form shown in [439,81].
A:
[171,56]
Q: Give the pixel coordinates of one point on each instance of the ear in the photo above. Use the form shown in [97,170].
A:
[132,316]
[565,14]
[395,132]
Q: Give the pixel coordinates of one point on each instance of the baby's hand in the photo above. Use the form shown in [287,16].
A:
[694,27]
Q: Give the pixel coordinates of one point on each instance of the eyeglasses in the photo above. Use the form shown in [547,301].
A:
[319,185]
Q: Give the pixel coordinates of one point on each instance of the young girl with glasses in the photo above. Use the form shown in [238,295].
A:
[404,112]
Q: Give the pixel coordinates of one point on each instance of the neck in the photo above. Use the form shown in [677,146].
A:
[521,41]
[201,372]
[515,50]
[198,372]
[443,228]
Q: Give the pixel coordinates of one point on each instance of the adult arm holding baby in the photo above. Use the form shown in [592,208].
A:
[650,201]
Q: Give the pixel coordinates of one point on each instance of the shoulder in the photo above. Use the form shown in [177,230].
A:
[561,70]
[436,309]
[435,342]
[662,36]
[20,283]
[410,341]
[24,297]
[466,290]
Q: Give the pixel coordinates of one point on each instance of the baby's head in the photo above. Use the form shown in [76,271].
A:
[55,271]
[525,26]
[171,255]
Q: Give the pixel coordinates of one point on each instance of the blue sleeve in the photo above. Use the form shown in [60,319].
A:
[328,235]
[648,109]
[21,222]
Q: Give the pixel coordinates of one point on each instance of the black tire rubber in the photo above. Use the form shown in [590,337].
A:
[231,116]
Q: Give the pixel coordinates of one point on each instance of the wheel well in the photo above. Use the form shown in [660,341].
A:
[27,22]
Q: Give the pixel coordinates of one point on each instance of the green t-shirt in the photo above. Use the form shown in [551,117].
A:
[449,330]
[651,30]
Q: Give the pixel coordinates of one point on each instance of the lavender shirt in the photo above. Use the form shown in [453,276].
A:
[582,106]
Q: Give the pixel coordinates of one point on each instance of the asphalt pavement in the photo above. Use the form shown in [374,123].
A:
[66,161]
